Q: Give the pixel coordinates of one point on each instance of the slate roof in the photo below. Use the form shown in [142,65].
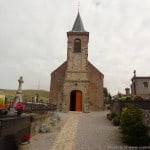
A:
[78,25]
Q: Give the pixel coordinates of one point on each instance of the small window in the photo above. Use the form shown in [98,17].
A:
[77,45]
[145,84]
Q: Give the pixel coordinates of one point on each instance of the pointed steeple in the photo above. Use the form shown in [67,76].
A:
[78,25]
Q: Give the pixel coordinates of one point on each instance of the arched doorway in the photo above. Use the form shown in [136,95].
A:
[76,100]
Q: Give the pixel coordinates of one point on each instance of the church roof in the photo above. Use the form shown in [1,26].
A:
[78,25]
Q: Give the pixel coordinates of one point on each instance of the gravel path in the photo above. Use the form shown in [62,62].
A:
[80,131]
[95,132]
[67,137]
[45,141]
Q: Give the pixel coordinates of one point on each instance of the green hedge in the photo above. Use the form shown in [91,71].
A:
[134,132]
[110,116]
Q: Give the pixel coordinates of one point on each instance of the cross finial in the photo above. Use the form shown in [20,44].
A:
[78,6]
[134,73]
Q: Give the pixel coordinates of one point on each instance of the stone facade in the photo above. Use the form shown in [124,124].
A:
[77,75]
[140,86]
[56,87]
[95,88]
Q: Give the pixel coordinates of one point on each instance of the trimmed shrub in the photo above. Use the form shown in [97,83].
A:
[116,121]
[135,133]
[110,116]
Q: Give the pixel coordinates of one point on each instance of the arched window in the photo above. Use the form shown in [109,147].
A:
[77,45]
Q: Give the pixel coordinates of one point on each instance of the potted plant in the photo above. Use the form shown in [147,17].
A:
[19,108]
[25,142]
[25,139]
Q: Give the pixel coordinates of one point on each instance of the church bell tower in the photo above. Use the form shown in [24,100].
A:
[77,51]
[77,85]
[76,76]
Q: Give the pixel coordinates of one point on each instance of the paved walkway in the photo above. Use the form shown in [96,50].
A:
[81,131]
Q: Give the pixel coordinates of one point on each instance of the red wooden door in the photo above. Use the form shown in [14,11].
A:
[78,101]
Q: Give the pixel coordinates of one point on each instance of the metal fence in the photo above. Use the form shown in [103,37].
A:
[39,107]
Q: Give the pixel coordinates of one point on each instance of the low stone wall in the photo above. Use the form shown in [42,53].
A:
[12,128]
[116,105]
[146,117]
[37,120]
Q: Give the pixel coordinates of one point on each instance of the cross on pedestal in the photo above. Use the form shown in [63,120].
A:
[20,80]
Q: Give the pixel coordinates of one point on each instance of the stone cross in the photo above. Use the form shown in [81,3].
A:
[134,73]
[20,80]
[19,92]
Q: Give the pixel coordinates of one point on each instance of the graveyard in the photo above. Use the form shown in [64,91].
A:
[19,118]
[28,125]
[77,112]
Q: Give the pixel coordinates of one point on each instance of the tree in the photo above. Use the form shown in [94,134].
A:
[107,96]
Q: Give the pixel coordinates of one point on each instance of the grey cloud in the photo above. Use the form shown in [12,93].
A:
[33,39]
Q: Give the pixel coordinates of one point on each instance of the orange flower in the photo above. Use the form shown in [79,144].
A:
[4,106]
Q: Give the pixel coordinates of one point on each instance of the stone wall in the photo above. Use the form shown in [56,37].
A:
[96,96]
[37,120]
[146,118]
[12,129]
[146,114]
[70,86]
[77,73]
[77,62]
[116,105]
[56,86]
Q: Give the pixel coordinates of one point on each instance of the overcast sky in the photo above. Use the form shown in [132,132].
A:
[33,40]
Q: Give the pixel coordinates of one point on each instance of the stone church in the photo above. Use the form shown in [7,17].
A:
[77,85]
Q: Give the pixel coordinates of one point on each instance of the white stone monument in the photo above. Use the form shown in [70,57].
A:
[19,92]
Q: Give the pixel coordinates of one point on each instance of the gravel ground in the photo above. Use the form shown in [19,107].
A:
[95,132]
[44,141]
[67,136]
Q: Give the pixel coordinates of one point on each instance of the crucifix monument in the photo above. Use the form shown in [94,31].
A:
[19,92]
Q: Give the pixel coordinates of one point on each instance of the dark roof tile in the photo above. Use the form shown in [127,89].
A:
[78,25]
